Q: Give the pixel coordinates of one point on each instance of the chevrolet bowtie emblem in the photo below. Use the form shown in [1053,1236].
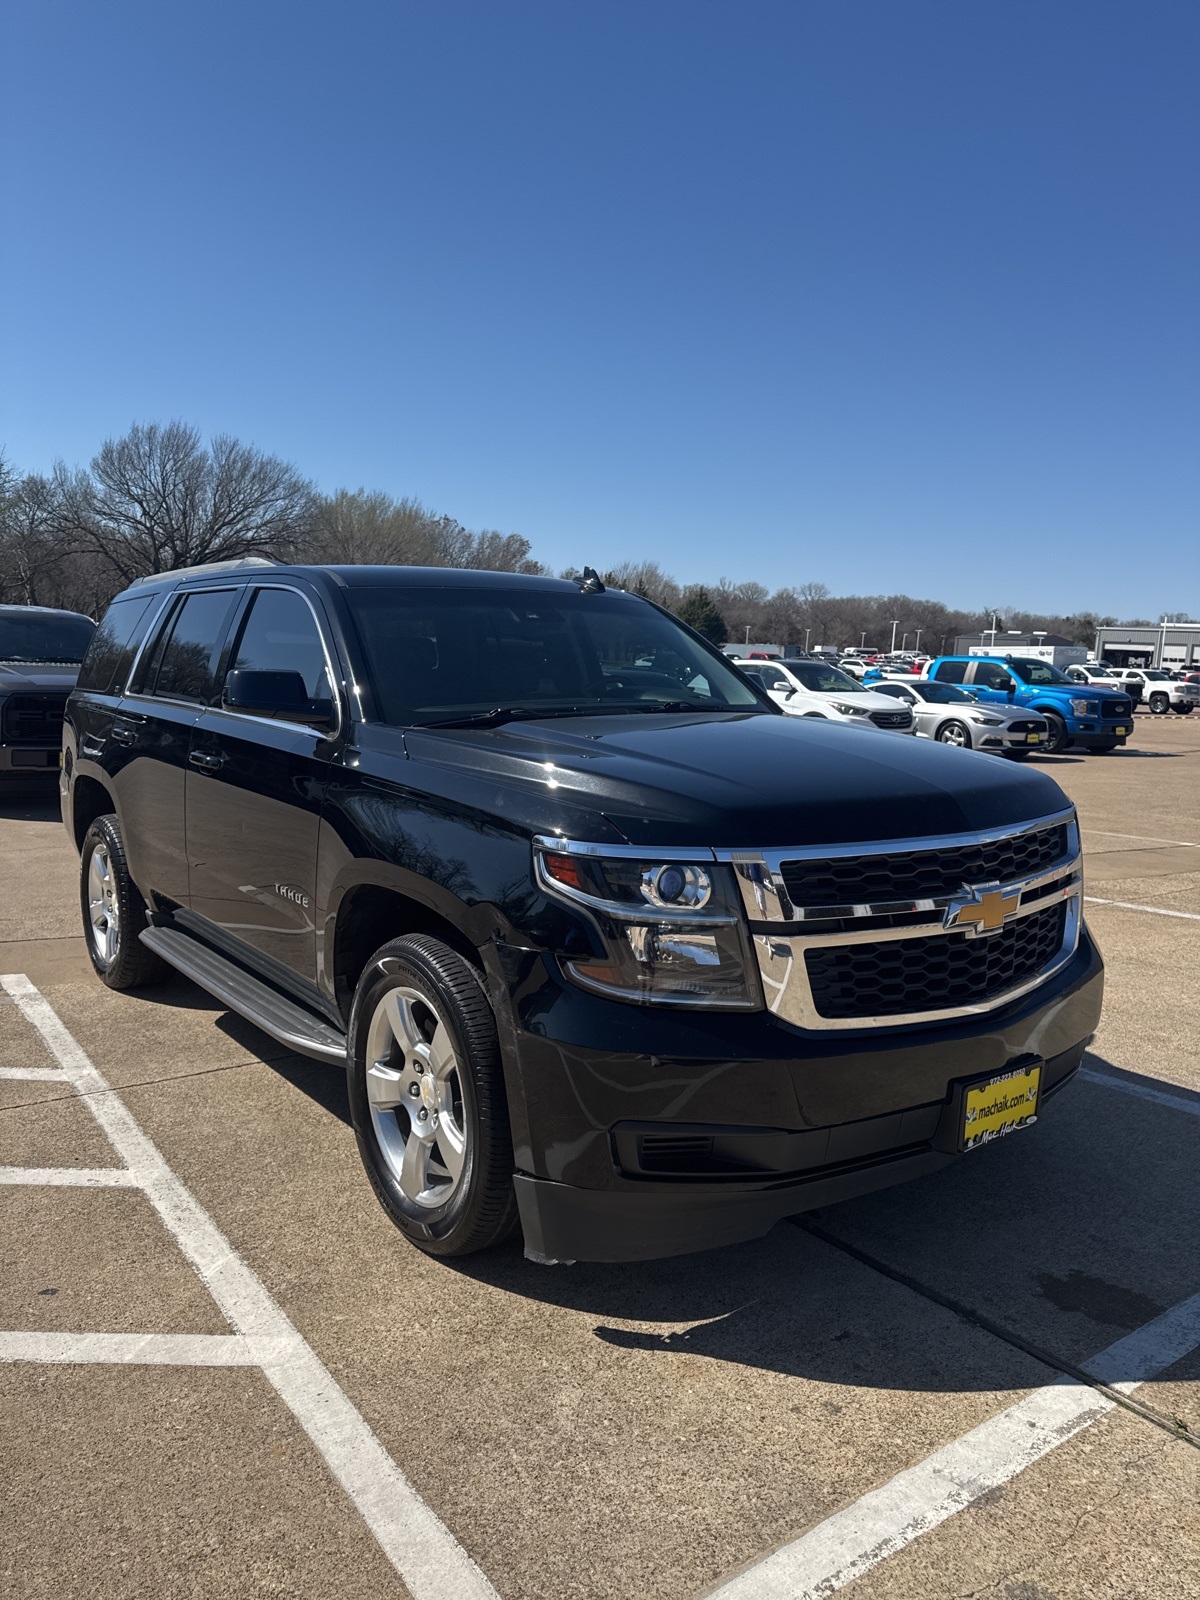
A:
[984,909]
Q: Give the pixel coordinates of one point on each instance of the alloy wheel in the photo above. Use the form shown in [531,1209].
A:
[415,1095]
[103,908]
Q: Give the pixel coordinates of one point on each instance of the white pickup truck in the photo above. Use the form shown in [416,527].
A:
[1160,692]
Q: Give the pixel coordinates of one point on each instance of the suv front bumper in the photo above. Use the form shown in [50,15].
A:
[792,1120]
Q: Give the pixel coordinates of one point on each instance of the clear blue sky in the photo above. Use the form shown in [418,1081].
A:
[893,295]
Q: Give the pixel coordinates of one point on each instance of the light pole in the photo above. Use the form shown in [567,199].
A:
[903,641]
[862,641]
[895,625]
[807,631]
[917,640]
[747,635]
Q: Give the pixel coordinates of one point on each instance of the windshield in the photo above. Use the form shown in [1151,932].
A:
[445,655]
[824,679]
[943,694]
[1039,672]
[1157,677]
[47,637]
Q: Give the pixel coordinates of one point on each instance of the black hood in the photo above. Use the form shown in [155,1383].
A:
[747,780]
[33,677]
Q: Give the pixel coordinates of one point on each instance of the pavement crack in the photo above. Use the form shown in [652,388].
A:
[1172,1426]
[71,1093]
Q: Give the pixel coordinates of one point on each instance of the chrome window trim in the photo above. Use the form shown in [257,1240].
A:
[150,633]
[279,722]
[242,716]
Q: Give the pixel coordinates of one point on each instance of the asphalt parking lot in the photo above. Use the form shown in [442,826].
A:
[984,1383]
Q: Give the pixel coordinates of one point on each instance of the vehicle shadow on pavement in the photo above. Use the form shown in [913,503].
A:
[29,800]
[1066,1237]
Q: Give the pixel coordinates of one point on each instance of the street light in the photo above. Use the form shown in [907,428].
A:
[917,640]
[807,631]
[895,625]
[903,640]
[862,641]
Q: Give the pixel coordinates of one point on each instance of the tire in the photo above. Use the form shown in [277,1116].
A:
[1160,704]
[427,1098]
[114,912]
[954,732]
[1057,739]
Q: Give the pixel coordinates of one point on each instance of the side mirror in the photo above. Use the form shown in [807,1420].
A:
[274,694]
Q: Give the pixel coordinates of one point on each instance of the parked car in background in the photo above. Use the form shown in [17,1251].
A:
[952,716]
[40,653]
[1095,719]
[820,689]
[1099,677]
[1160,691]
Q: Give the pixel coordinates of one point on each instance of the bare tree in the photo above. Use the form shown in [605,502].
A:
[157,499]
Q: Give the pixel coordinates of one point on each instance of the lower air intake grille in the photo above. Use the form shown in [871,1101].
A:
[897,976]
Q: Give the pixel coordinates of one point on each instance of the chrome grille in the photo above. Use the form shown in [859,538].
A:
[920,874]
[872,935]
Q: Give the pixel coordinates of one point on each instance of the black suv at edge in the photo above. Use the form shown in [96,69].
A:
[606,943]
[40,652]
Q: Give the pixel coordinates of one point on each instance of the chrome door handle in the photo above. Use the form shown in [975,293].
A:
[124,735]
[201,758]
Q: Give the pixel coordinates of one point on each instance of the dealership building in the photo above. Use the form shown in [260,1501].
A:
[1163,644]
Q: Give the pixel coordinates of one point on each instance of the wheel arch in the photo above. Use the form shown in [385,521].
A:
[89,799]
[366,916]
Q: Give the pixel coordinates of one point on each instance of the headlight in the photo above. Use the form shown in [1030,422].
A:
[1085,708]
[987,722]
[849,710]
[671,932]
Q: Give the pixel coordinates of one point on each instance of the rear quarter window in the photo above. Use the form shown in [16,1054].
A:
[114,645]
[951,671]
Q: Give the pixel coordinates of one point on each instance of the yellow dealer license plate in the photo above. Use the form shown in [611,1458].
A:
[1033,738]
[1121,730]
[1000,1105]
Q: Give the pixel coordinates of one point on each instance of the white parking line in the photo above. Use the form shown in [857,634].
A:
[421,1548]
[1128,905]
[34,1074]
[78,1177]
[883,1522]
[137,1349]
[1161,1097]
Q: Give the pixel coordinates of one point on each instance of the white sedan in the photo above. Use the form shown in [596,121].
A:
[819,689]
[953,716]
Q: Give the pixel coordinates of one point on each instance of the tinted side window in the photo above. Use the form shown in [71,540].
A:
[280,635]
[185,670]
[114,644]
[951,671]
[990,676]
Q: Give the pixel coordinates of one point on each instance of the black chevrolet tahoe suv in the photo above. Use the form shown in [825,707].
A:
[606,944]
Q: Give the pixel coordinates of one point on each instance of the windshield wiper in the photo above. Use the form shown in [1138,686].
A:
[502,714]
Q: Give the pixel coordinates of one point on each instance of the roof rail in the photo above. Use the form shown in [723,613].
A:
[206,566]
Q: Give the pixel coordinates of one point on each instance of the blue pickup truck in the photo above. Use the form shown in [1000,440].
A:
[1094,719]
